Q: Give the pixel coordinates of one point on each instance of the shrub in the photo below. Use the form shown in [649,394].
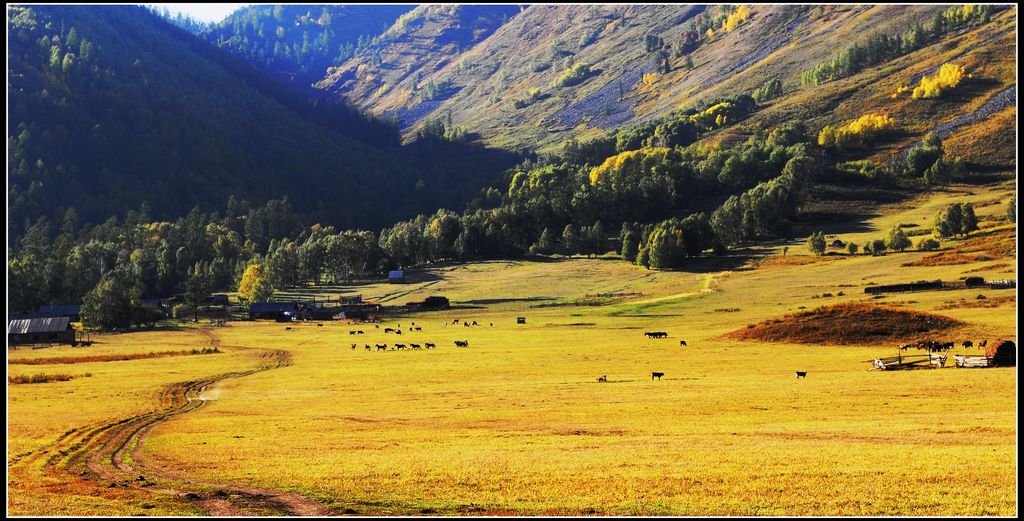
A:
[856,132]
[928,244]
[949,76]
[573,75]
[816,243]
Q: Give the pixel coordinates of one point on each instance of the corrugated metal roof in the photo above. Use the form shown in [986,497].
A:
[38,325]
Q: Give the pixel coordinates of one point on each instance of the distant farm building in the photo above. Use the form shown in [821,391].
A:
[428,304]
[396,277]
[279,311]
[46,330]
[72,311]
[359,311]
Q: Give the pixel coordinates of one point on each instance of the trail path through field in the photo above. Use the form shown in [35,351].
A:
[111,453]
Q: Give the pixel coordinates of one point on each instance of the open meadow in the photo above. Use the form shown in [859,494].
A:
[298,421]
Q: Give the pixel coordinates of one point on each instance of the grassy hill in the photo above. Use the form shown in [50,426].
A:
[506,86]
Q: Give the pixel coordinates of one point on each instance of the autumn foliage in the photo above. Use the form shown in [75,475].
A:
[949,76]
[856,132]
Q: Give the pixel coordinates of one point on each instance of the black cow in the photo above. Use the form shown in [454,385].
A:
[389,330]
[602,378]
[682,342]
[967,344]
[287,329]
[383,347]
[801,374]
[359,332]
[414,346]
[319,325]
[983,343]
[351,332]
[399,346]
[656,375]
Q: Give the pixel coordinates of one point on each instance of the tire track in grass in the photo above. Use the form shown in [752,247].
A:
[110,452]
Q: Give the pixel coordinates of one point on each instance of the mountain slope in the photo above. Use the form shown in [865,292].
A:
[510,89]
[110,107]
[388,74]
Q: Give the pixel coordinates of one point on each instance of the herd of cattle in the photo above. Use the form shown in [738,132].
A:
[933,346]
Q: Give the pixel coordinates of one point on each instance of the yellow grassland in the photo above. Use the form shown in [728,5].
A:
[518,423]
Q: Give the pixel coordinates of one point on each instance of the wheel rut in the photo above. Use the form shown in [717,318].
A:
[110,453]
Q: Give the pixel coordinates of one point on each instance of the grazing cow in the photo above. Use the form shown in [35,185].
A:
[288,329]
[399,346]
[602,378]
[682,342]
[428,345]
[351,332]
[414,346]
[461,343]
[319,325]
[398,331]
[656,334]
[389,330]
[801,374]
[492,324]
[455,321]
[353,346]
[465,324]
[656,375]
[417,328]
[359,332]
[382,347]
[967,343]
[367,346]
[376,326]
[475,324]
[983,343]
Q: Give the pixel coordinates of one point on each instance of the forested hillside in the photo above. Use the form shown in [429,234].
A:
[665,133]
[299,42]
[111,107]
